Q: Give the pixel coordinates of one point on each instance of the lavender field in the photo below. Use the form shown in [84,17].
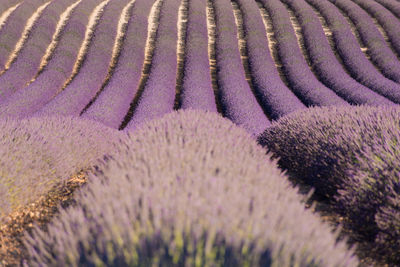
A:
[200,133]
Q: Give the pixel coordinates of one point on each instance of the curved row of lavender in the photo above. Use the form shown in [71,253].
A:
[237,99]
[277,99]
[158,96]
[94,68]
[386,19]
[38,153]
[197,90]
[175,195]
[378,49]
[113,103]
[29,58]
[13,28]
[392,5]
[302,81]
[329,70]
[351,156]
[59,68]
[356,63]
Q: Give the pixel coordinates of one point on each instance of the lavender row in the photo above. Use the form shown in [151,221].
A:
[158,96]
[389,22]
[392,5]
[351,156]
[175,195]
[277,99]
[353,58]
[302,80]
[238,102]
[29,57]
[197,91]
[378,50]
[329,69]
[13,28]
[59,68]
[38,153]
[94,68]
[112,104]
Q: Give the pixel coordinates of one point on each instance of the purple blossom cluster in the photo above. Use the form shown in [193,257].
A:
[378,49]
[6,4]
[158,96]
[237,99]
[329,69]
[351,156]
[197,91]
[277,99]
[94,69]
[29,99]
[302,80]
[111,106]
[353,58]
[27,63]
[13,28]
[175,195]
[38,153]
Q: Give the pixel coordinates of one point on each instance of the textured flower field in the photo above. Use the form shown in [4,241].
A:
[200,133]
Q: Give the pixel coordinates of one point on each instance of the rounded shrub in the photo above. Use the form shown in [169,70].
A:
[189,189]
[351,155]
[37,153]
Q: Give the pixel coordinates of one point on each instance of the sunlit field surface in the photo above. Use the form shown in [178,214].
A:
[200,133]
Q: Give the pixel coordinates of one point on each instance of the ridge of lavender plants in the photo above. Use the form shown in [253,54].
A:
[351,156]
[37,153]
[175,195]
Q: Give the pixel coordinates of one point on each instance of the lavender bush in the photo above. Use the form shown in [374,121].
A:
[329,70]
[350,155]
[197,91]
[112,104]
[378,49]
[309,89]
[94,69]
[277,99]
[175,195]
[26,65]
[31,98]
[6,4]
[37,153]
[353,58]
[237,100]
[158,96]
[13,28]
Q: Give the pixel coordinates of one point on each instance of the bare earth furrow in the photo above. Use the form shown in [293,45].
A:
[275,97]
[59,68]
[94,67]
[113,102]
[297,70]
[346,45]
[29,58]
[13,28]
[237,100]
[197,91]
[377,48]
[329,70]
[158,96]
[180,50]
[6,10]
